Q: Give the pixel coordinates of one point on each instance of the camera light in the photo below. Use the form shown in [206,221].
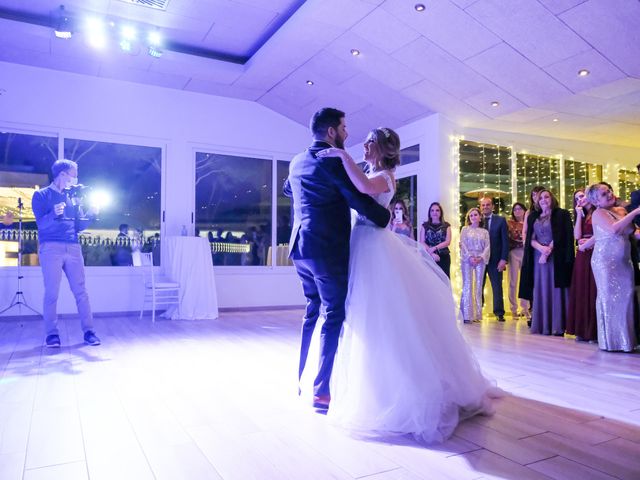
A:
[99,199]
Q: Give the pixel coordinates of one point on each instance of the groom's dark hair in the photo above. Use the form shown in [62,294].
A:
[323,119]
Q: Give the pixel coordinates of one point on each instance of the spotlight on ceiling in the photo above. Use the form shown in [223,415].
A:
[309,82]
[583,73]
[96,34]
[128,34]
[556,120]
[355,52]
[154,38]
[62,25]
[420,7]
[495,104]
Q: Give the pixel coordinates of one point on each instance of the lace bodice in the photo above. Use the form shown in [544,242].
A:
[383,198]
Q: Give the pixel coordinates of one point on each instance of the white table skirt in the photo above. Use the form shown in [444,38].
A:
[188,262]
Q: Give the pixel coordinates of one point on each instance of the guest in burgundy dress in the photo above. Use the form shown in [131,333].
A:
[581,319]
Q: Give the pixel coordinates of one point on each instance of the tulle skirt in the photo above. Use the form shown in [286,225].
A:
[402,365]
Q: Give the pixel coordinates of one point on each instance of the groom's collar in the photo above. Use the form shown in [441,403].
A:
[320,144]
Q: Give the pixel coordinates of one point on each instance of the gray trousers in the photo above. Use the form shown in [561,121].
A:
[55,258]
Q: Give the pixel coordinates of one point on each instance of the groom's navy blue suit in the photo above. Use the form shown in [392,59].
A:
[322,195]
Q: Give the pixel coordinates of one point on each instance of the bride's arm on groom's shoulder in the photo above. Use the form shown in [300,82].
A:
[364,184]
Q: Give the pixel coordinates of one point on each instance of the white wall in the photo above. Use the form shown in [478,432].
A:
[77,106]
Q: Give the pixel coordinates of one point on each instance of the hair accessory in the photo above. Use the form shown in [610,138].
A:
[386,132]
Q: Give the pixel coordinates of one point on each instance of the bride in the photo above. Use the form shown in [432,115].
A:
[402,366]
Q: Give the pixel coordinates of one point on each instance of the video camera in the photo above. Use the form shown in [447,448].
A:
[76,201]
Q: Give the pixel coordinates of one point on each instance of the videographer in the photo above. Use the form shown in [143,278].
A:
[59,220]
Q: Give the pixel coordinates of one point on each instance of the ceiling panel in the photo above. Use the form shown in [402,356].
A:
[544,41]
[615,89]
[483,102]
[209,87]
[384,31]
[612,28]
[559,6]
[442,68]
[373,61]
[517,75]
[602,71]
[525,115]
[446,25]
[119,72]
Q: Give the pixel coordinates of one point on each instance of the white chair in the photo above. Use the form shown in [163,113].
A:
[157,291]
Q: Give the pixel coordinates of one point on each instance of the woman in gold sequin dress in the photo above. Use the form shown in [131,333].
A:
[613,271]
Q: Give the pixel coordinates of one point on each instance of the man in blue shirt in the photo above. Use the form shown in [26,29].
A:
[58,226]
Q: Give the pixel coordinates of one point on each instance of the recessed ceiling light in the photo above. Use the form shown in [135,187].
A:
[309,82]
[420,7]
[355,52]
[495,104]
[555,120]
[583,73]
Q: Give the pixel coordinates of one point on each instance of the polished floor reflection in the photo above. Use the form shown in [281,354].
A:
[217,399]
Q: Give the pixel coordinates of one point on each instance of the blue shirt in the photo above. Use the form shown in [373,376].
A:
[50,227]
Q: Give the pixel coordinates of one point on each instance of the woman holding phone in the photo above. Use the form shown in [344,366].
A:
[400,221]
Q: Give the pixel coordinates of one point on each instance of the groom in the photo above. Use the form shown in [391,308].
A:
[322,194]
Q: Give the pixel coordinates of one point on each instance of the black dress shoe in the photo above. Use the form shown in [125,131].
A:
[501,318]
[529,323]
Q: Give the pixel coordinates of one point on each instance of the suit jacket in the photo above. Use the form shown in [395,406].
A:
[563,252]
[322,196]
[499,240]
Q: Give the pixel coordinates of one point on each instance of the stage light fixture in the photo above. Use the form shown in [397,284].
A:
[63,25]
[155,51]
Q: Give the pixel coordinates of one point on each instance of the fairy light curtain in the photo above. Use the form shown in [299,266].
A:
[532,170]
[628,181]
[484,169]
[579,175]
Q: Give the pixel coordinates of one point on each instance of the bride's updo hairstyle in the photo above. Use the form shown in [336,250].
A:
[386,147]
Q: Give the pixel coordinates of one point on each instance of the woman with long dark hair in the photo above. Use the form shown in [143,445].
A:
[435,235]
[548,256]
[582,320]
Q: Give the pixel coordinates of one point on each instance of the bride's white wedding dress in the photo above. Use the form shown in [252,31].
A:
[402,365]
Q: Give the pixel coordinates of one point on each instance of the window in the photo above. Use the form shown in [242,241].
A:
[407,190]
[410,155]
[628,181]
[128,180]
[284,217]
[532,170]
[484,170]
[233,205]
[579,175]
[25,165]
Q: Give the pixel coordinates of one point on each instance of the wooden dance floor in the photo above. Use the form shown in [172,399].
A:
[217,400]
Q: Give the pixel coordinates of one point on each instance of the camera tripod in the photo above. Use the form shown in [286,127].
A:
[18,299]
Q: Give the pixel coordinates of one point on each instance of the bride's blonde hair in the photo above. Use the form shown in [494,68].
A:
[386,147]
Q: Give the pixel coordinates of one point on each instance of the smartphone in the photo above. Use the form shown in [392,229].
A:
[398,216]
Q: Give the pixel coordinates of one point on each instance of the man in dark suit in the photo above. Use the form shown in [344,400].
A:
[635,201]
[322,195]
[499,240]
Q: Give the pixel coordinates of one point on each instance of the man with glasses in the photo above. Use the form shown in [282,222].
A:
[59,222]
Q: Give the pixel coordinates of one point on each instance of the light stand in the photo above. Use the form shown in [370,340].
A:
[18,298]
